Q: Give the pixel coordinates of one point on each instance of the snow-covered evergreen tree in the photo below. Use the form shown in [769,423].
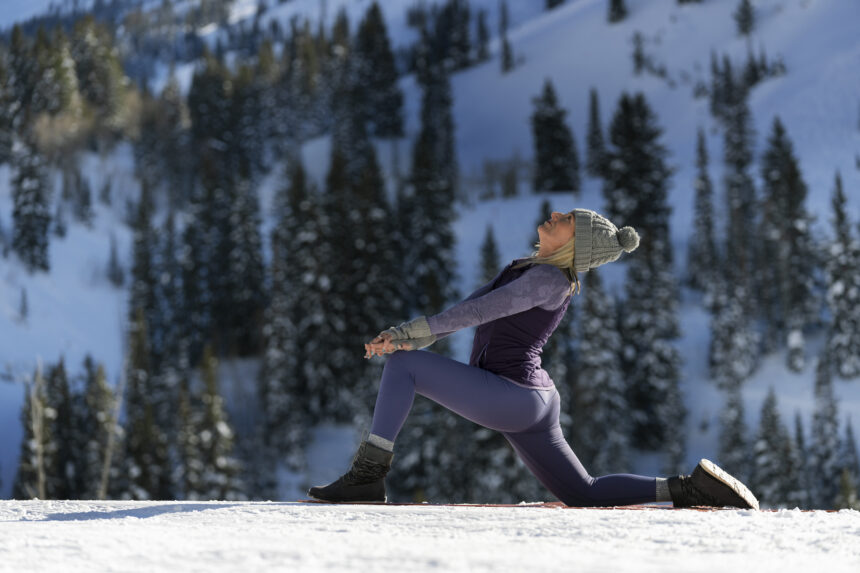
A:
[744,16]
[636,179]
[787,301]
[849,460]
[290,382]
[489,257]
[617,11]
[507,58]
[556,158]
[733,453]
[824,447]
[220,469]
[376,74]
[595,147]
[702,254]
[771,456]
[31,196]
[602,435]
[147,474]
[741,235]
[37,446]
[97,412]
[800,494]
[843,290]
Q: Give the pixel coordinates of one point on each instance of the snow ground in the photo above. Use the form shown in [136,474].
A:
[265,536]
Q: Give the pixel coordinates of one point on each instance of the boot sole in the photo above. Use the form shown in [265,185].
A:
[721,475]
[321,500]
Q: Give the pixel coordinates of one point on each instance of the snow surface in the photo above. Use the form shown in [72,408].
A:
[265,536]
[73,312]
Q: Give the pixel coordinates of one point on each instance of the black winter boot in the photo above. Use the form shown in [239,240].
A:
[364,482]
[710,485]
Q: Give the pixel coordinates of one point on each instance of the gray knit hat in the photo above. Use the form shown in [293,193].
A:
[598,241]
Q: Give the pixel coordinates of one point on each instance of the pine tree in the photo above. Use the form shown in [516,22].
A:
[595,146]
[376,74]
[744,16]
[702,253]
[741,241]
[24,306]
[31,197]
[787,301]
[600,403]
[36,445]
[173,129]
[507,51]
[636,175]
[293,320]
[219,468]
[115,273]
[489,257]
[97,423]
[146,452]
[8,106]
[732,355]
[771,461]
[98,69]
[825,437]
[733,451]
[849,460]
[843,290]
[482,35]
[635,188]
[801,493]
[142,296]
[617,11]
[246,269]
[64,471]
[556,158]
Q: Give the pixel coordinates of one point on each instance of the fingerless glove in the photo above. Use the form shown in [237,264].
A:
[416,332]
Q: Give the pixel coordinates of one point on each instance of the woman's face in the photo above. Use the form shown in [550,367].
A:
[556,232]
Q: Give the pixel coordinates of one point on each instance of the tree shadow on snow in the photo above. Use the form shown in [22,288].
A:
[138,512]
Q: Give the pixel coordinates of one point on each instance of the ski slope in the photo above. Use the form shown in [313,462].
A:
[265,536]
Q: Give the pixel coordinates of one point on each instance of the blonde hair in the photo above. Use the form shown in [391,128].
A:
[561,258]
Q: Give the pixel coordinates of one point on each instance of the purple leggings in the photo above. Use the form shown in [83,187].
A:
[527,417]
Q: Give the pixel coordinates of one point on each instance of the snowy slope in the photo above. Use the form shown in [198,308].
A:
[213,537]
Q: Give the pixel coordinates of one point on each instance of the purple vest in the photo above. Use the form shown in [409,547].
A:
[511,346]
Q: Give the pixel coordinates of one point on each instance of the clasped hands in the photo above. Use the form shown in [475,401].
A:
[383,344]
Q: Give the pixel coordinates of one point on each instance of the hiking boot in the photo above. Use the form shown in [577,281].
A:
[365,480]
[710,485]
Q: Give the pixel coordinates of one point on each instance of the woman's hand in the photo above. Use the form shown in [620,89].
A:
[383,344]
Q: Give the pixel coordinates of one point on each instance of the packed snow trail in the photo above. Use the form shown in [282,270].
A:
[82,536]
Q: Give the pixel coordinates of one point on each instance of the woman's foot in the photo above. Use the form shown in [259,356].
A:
[365,480]
[710,485]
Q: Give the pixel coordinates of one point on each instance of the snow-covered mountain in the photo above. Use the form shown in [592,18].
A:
[74,311]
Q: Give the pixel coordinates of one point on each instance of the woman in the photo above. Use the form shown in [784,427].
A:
[504,387]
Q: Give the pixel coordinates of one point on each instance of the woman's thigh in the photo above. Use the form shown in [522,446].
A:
[474,393]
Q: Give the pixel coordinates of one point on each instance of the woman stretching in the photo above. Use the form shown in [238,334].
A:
[504,387]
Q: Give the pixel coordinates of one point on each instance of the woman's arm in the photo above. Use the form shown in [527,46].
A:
[542,285]
[480,291]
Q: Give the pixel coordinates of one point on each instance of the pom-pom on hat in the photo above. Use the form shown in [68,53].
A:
[598,241]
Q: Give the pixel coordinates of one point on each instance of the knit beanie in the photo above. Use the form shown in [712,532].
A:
[598,241]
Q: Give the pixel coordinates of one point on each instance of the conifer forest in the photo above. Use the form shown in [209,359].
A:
[296,183]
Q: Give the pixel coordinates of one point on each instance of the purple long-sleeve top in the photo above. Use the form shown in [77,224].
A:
[515,313]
